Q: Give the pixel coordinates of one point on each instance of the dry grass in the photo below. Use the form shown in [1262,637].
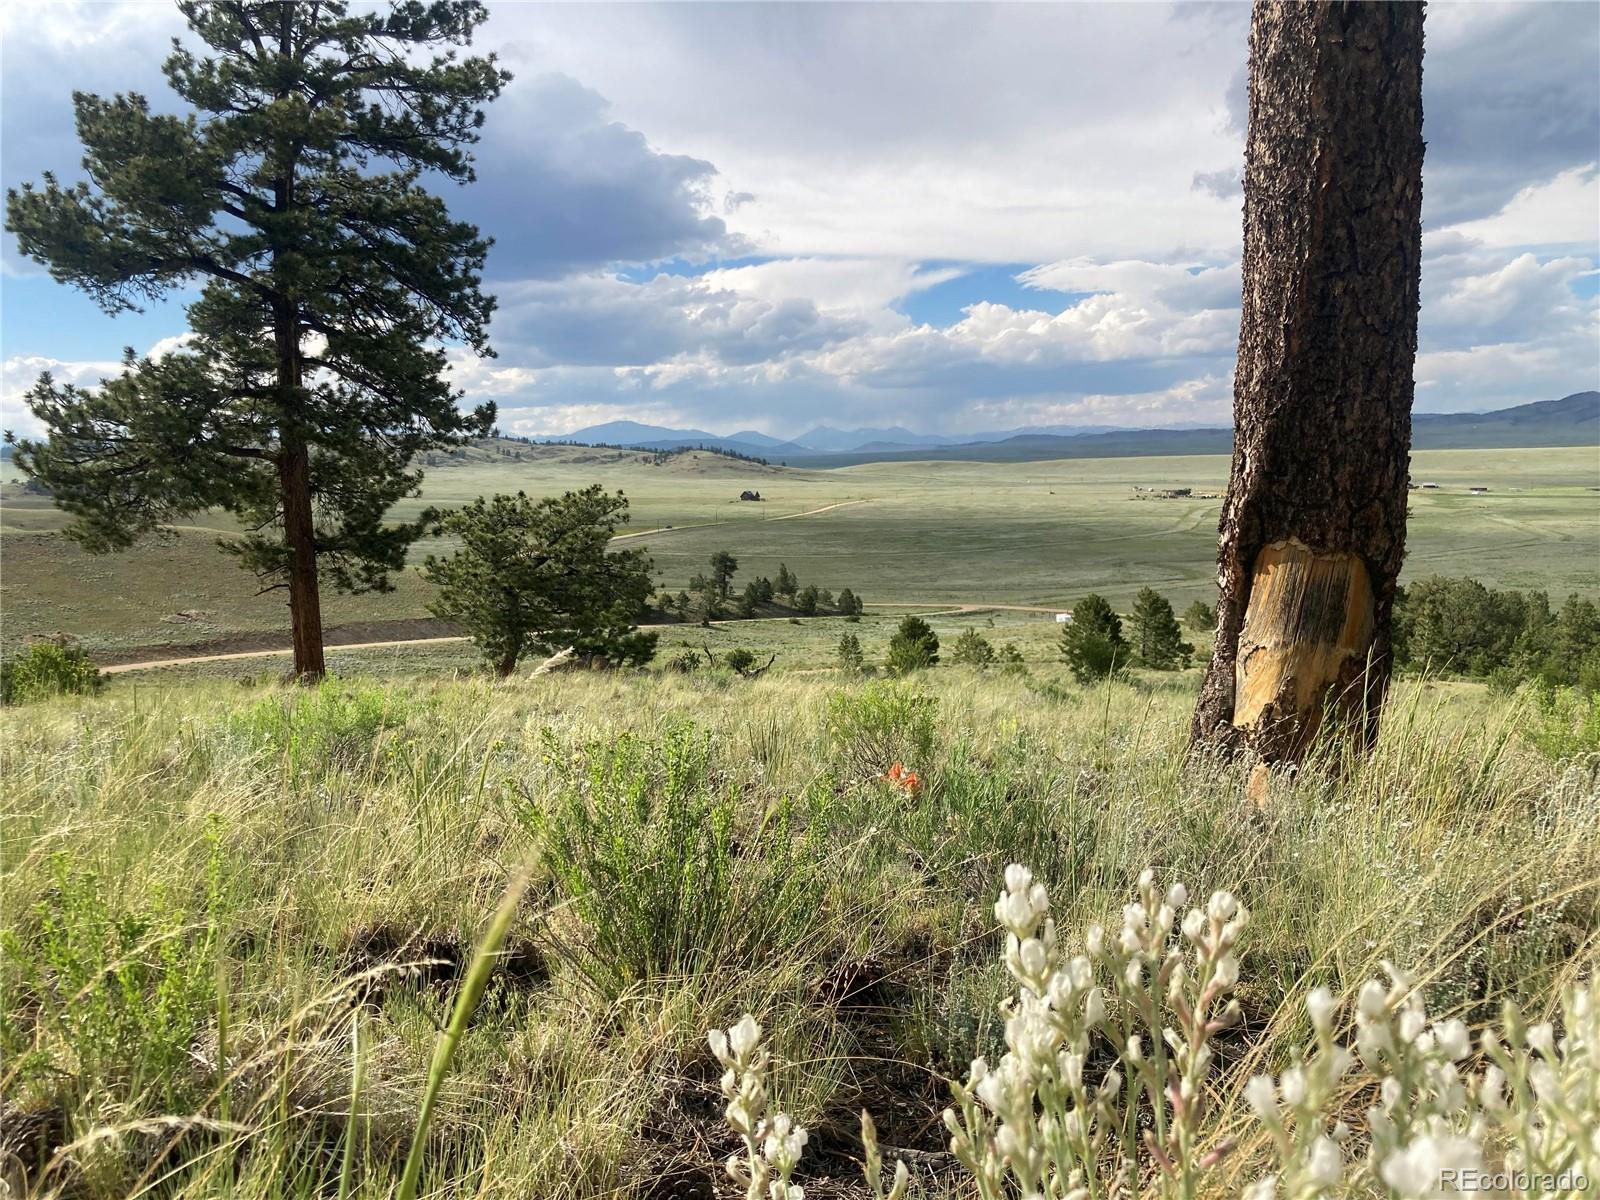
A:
[305,861]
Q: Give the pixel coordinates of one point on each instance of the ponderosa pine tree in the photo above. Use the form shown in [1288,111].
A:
[1156,635]
[786,583]
[1313,526]
[1091,643]
[540,575]
[313,377]
[914,646]
[723,568]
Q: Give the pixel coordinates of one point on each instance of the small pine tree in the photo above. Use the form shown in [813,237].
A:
[972,650]
[1011,660]
[537,575]
[913,647]
[764,590]
[723,566]
[806,602]
[851,659]
[825,600]
[849,603]
[786,584]
[1157,639]
[1200,616]
[1092,643]
[750,599]
[739,660]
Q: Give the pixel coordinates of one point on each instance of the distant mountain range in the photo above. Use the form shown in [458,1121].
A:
[1571,421]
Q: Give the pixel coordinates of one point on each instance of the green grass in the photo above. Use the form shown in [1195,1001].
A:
[951,532]
[185,854]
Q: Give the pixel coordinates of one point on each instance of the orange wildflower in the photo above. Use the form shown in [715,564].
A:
[906,781]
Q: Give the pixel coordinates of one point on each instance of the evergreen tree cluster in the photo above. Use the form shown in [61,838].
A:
[1463,627]
[1094,645]
[709,595]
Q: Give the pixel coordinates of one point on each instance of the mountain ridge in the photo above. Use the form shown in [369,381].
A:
[1572,420]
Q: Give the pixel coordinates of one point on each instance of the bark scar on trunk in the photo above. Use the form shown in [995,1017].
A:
[1307,631]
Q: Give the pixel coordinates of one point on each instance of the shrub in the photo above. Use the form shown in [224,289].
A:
[808,601]
[881,725]
[1564,722]
[639,836]
[914,646]
[45,669]
[333,724]
[129,991]
[1092,643]
[739,660]
[685,662]
[972,649]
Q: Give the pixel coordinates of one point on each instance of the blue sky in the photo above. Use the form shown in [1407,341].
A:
[945,216]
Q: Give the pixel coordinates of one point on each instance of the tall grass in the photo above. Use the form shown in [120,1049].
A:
[701,848]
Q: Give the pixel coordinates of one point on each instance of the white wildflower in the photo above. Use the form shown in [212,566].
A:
[1418,1170]
[1222,906]
[1262,1096]
[1325,1163]
[1320,1005]
[744,1037]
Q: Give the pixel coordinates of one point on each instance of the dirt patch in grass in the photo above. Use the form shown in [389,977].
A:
[424,962]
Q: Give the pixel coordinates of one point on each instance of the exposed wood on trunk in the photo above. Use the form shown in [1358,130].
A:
[1313,526]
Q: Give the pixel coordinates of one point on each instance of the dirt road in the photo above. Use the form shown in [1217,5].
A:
[934,609]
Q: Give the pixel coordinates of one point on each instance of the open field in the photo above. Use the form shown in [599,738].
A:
[1037,534]
[227,903]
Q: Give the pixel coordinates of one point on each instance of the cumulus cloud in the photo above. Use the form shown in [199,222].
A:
[1563,211]
[769,216]
[19,372]
[567,188]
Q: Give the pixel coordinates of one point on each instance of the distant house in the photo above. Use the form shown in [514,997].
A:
[1064,618]
[748,495]
[1477,491]
[1431,486]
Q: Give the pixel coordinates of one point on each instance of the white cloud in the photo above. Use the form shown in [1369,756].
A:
[867,154]
[1564,211]
[20,372]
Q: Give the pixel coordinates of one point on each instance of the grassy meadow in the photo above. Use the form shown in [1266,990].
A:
[236,917]
[1039,534]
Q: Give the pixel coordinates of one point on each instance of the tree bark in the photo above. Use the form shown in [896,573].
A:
[294,456]
[1313,525]
[299,532]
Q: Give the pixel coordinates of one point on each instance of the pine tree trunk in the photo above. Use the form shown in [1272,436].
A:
[294,461]
[299,531]
[1313,526]
[299,519]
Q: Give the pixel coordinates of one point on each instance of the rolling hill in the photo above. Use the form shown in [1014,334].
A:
[1571,421]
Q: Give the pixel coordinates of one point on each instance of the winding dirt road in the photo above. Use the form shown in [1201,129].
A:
[933,609]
